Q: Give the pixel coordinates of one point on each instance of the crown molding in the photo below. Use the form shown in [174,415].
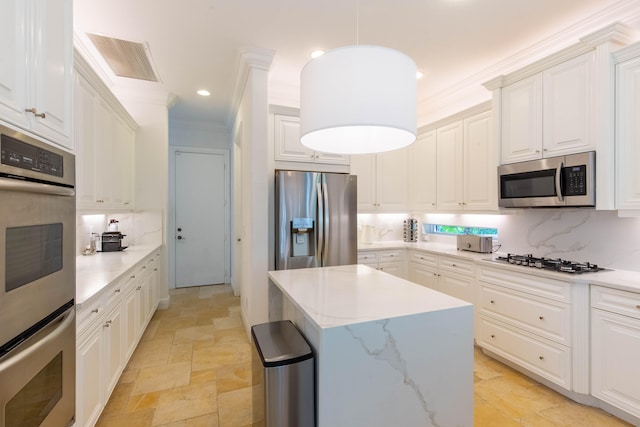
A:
[250,58]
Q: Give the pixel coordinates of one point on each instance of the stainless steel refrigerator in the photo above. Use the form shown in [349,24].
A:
[316,219]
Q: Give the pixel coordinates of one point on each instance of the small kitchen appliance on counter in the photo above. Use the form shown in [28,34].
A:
[112,241]
[475,243]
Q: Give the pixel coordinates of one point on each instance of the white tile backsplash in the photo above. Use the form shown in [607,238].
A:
[139,228]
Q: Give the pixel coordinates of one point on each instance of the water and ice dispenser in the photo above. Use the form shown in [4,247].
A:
[303,237]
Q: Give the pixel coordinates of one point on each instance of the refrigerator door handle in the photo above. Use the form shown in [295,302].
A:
[325,220]
[320,226]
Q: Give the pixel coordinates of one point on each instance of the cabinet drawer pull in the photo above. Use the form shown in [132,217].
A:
[132,277]
[95,310]
[155,269]
[117,290]
[35,113]
[107,324]
[138,288]
[453,265]
[638,306]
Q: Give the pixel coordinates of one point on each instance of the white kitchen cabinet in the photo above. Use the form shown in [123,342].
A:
[36,67]
[615,348]
[288,147]
[548,114]
[423,269]
[89,365]
[536,322]
[423,172]
[456,278]
[109,327]
[627,129]
[105,139]
[382,181]
[466,166]
[390,261]
[451,275]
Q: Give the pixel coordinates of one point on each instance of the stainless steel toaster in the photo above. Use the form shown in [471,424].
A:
[475,243]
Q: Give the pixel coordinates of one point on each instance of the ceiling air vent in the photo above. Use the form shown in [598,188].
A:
[126,59]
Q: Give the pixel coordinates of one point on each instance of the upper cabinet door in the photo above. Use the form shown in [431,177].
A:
[522,120]
[567,106]
[392,180]
[288,148]
[480,164]
[628,134]
[287,140]
[13,61]
[53,64]
[36,66]
[450,172]
[423,169]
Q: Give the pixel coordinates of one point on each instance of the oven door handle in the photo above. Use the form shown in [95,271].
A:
[35,187]
[558,182]
[65,320]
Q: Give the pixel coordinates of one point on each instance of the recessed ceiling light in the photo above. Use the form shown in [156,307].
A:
[419,74]
[317,53]
[204,92]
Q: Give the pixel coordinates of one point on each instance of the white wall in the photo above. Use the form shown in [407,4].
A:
[251,122]
[198,134]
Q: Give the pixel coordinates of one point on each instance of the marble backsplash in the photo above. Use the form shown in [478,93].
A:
[600,237]
[139,228]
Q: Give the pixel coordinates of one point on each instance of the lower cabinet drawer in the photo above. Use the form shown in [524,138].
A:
[543,357]
[547,318]
[367,258]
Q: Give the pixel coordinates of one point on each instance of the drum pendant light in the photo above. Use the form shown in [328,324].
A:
[358,99]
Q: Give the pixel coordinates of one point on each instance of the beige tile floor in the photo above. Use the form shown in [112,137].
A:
[192,368]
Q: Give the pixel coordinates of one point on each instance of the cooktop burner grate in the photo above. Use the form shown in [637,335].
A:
[554,264]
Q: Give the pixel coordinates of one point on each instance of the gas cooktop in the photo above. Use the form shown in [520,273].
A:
[553,264]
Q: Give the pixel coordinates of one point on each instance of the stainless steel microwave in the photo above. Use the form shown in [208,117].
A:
[552,182]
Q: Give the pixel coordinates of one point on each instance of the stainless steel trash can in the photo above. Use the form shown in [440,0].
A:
[282,376]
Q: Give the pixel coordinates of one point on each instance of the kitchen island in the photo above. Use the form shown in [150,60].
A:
[388,351]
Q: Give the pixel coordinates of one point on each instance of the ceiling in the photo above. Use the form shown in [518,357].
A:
[195,44]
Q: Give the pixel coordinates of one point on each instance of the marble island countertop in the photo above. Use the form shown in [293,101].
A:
[349,294]
[94,272]
[388,351]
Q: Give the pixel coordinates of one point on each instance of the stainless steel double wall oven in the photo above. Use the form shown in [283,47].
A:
[37,283]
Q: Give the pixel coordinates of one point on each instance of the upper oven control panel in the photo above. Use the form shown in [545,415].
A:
[26,156]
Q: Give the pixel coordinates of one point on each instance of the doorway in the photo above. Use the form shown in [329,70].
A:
[201,217]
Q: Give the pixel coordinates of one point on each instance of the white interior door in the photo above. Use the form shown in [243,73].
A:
[200,208]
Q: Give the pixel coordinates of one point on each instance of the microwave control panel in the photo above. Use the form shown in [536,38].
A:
[575,180]
[26,156]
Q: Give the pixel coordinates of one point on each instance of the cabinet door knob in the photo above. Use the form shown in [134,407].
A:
[492,302]
[638,307]
[493,336]
[541,317]
[453,265]
[117,290]
[541,357]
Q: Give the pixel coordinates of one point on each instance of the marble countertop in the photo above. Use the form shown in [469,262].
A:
[350,294]
[618,279]
[94,272]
